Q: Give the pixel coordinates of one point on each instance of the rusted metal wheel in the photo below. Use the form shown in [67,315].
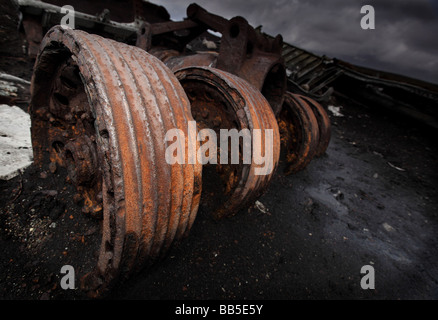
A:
[299,133]
[101,109]
[220,100]
[266,75]
[323,124]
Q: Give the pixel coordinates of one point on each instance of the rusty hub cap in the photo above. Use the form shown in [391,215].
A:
[101,109]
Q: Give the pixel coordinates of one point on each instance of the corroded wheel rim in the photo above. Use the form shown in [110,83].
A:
[323,124]
[220,100]
[299,133]
[105,119]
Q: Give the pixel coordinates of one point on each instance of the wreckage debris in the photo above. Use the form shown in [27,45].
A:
[101,108]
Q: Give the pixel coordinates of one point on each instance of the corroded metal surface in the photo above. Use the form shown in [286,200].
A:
[244,51]
[299,133]
[202,59]
[220,100]
[101,109]
[323,124]
[265,72]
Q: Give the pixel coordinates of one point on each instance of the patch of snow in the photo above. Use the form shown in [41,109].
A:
[15,141]
[336,111]
[209,44]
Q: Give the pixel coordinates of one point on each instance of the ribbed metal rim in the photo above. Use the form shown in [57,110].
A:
[303,146]
[135,99]
[323,124]
[257,115]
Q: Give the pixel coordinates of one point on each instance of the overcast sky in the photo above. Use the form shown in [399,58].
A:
[404,41]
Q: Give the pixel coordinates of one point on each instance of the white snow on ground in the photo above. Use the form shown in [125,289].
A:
[15,141]
[336,111]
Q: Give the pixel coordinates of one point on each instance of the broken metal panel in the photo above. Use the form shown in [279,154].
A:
[403,95]
[304,69]
[319,80]
[297,60]
[309,70]
[421,106]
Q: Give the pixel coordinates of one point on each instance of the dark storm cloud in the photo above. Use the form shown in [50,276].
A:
[404,40]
